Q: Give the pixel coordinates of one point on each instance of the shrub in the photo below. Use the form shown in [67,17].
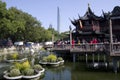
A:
[18,65]
[60,59]
[44,59]
[14,55]
[28,72]
[51,58]
[14,72]
[42,49]
[25,65]
[9,56]
[37,67]
[12,67]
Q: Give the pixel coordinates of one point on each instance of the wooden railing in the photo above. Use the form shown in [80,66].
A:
[81,47]
[115,49]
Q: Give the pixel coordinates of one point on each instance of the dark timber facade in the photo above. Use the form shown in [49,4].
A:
[91,25]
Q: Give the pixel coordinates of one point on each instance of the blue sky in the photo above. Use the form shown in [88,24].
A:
[46,10]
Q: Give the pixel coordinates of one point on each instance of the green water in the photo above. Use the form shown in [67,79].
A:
[74,71]
[3,67]
[78,71]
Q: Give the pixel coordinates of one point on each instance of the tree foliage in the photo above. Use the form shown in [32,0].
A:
[21,26]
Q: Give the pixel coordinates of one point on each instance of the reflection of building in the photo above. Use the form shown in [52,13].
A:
[90,25]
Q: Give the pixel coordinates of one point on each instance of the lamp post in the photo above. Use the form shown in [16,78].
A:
[70,35]
[111,46]
[52,37]
[111,36]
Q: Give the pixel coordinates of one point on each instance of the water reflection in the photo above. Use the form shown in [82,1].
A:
[78,71]
[3,67]
[60,73]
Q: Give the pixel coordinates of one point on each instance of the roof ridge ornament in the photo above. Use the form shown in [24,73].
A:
[88,5]
[89,11]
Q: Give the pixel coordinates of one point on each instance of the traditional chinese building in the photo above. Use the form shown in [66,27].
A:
[91,25]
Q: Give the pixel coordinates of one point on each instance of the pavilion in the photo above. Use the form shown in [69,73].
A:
[92,26]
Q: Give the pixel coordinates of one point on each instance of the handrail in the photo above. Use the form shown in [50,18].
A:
[89,47]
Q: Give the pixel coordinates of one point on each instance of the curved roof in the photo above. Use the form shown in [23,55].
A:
[115,12]
[90,15]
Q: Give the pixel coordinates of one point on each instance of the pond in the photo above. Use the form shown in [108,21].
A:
[3,67]
[78,71]
[71,71]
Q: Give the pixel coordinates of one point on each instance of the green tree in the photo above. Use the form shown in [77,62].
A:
[54,32]
[3,20]
[21,26]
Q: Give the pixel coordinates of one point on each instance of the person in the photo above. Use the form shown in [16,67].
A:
[83,41]
[84,44]
[78,42]
[73,43]
[105,41]
[94,41]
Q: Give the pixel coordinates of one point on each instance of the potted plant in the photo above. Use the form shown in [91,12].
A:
[15,57]
[12,57]
[43,61]
[30,73]
[23,70]
[39,68]
[13,74]
[60,59]
[52,60]
[25,65]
